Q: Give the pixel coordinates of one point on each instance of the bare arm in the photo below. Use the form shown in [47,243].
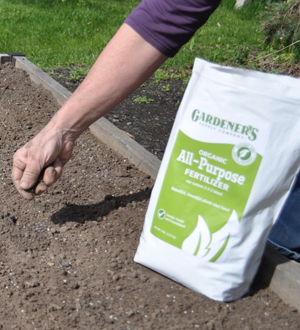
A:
[126,62]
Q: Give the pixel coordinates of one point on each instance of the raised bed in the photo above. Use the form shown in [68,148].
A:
[277,272]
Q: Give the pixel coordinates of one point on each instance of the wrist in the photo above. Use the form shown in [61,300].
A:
[68,124]
[61,129]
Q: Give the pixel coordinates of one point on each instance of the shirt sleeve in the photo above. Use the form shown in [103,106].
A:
[169,24]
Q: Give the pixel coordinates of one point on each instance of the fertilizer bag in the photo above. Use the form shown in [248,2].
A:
[228,168]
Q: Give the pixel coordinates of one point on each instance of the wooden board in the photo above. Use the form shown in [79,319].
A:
[282,275]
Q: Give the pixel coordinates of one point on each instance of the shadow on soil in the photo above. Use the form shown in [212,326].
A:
[95,212]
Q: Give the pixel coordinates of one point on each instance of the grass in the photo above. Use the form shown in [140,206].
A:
[55,33]
[229,36]
[61,33]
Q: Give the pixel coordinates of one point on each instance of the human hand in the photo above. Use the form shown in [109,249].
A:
[48,151]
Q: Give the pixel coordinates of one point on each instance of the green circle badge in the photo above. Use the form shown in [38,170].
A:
[243,154]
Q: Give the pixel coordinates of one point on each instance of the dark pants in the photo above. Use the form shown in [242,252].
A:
[285,234]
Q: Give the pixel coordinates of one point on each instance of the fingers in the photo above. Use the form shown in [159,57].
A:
[17,174]
[40,186]
[49,176]
[53,172]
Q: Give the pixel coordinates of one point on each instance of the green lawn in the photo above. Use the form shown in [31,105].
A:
[56,33]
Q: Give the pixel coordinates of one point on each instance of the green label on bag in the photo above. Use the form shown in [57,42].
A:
[204,194]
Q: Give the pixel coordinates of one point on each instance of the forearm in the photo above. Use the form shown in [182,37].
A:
[126,62]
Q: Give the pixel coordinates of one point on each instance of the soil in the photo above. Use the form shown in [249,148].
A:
[66,258]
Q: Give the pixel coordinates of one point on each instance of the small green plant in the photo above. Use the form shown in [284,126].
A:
[50,72]
[161,75]
[78,73]
[166,88]
[143,99]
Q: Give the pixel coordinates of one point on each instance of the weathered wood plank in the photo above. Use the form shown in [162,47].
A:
[113,137]
[282,275]
[4,58]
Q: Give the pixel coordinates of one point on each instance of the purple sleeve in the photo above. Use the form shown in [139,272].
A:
[169,24]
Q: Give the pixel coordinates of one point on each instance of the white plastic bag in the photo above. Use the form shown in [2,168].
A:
[229,165]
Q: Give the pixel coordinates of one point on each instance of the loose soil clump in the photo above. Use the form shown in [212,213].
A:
[66,258]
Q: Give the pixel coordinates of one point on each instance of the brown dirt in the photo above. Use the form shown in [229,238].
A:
[66,258]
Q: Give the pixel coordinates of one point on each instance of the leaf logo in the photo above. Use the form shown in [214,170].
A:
[213,247]
[244,154]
